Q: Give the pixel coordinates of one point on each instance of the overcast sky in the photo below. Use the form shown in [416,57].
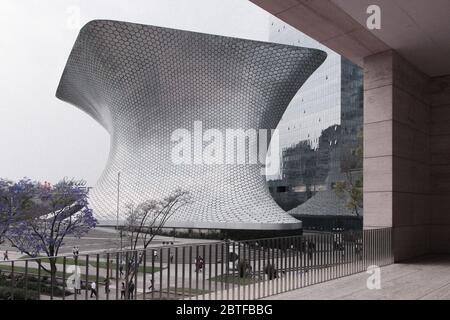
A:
[46,139]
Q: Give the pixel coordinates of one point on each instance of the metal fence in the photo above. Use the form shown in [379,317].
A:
[216,270]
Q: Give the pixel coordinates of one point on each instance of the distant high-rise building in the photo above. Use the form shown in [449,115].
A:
[320,134]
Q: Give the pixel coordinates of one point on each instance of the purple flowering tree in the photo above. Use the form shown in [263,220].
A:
[56,212]
[16,202]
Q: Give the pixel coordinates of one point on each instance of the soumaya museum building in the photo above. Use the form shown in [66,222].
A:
[121,73]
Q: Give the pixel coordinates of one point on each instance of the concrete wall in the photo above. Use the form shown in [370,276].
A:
[397,152]
[440,164]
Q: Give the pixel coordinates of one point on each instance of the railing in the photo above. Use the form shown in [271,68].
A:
[216,270]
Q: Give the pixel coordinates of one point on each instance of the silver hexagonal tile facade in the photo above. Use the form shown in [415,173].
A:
[143,82]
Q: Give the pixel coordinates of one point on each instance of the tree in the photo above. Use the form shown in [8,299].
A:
[56,212]
[352,187]
[145,221]
[16,202]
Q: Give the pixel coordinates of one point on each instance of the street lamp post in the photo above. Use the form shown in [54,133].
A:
[118,211]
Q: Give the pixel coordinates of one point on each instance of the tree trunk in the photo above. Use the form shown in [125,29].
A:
[53,271]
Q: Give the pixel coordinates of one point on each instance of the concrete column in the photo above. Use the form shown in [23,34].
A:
[440,164]
[396,152]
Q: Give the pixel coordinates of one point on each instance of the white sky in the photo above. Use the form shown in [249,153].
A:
[46,139]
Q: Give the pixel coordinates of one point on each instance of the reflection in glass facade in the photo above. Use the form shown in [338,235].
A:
[321,139]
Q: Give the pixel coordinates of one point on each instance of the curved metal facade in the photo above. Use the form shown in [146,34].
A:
[143,82]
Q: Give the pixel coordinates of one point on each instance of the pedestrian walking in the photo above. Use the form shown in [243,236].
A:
[93,289]
[311,249]
[171,258]
[106,283]
[150,288]
[131,290]
[5,255]
[198,264]
[121,269]
[202,263]
[122,291]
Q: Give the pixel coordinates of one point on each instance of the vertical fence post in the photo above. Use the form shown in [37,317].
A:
[273,270]
[238,272]
[168,271]
[209,271]
[176,273]
[144,274]
[39,261]
[108,276]
[233,267]
[127,276]
[97,287]
[226,255]
[26,280]
[117,275]
[77,280]
[284,252]
[259,274]
[86,278]
[152,281]
[63,279]
[136,272]
[203,270]
[296,262]
[197,270]
[252,271]
[183,270]
[52,278]
[216,269]
[13,280]
[161,271]
[190,272]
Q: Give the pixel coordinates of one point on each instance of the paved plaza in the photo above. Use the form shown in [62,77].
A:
[426,278]
[98,240]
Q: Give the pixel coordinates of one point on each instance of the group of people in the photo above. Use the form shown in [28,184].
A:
[93,289]
[123,290]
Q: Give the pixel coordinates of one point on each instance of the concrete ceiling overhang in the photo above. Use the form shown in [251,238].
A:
[419,30]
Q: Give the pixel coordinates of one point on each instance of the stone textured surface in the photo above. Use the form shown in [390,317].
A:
[397,152]
[143,82]
[326,22]
[440,163]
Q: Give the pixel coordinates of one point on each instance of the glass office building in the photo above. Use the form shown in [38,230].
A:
[321,139]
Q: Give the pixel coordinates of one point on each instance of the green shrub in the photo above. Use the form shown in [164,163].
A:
[245,269]
[33,285]
[6,293]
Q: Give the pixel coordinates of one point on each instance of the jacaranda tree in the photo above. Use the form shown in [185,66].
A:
[54,212]
[16,202]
